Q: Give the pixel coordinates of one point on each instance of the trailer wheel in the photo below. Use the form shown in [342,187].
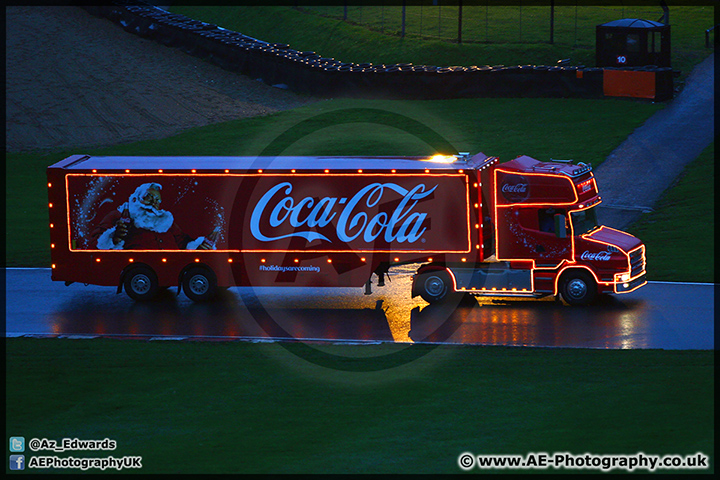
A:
[141,283]
[434,286]
[578,288]
[199,284]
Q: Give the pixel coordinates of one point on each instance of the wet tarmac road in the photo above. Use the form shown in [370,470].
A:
[658,315]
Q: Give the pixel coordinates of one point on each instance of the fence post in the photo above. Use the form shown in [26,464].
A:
[460,21]
[552,22]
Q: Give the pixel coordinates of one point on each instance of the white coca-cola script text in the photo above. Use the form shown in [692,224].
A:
[277,207]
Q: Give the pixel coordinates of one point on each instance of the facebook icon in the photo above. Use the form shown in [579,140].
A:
[17,462]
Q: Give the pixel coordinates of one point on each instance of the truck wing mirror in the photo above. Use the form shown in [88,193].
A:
[560,229]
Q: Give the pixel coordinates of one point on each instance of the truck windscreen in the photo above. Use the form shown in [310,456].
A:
[584,220]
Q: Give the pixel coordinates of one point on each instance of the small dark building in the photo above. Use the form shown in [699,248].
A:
[632,42]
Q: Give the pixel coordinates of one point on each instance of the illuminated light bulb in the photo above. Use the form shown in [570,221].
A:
[227,171]
[197,260]
[97,260]
[164,259]
[262,260]
[127,171]
[230,260]
[52,266]
[329,260]
[160,171]
[49,185]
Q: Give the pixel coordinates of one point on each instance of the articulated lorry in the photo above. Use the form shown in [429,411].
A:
[523,228]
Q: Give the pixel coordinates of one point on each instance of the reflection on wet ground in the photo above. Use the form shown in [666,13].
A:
[656,316]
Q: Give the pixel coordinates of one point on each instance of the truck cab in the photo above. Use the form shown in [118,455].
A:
[541,237]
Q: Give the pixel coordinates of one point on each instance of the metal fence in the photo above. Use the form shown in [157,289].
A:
[570,24]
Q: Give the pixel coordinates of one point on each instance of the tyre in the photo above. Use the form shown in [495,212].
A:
[141,283]
[578,288]
[434,286]
[199,284]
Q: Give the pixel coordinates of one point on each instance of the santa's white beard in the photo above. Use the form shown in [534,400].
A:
[150,218]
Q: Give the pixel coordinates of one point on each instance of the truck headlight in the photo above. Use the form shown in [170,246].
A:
[623,277]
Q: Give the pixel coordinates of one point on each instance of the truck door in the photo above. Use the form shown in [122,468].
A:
[529,233]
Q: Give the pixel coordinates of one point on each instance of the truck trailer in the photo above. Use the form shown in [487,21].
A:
[523,228]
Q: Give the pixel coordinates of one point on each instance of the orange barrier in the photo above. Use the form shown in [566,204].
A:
[629,83]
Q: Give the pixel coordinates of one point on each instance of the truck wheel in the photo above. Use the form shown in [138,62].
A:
[141,283]
[578,288]
[434,286]
[199,284]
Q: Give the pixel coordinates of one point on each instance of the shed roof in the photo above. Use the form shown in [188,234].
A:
[633,23]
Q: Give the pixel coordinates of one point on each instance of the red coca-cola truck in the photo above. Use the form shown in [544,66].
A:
[522,228]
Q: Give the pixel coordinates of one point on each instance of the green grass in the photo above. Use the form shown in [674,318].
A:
[680,233]
[508,35]
[542,128]
[259,408]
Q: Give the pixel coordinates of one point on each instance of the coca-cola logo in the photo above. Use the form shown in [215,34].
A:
[597,256]
[515,188]
[277,209]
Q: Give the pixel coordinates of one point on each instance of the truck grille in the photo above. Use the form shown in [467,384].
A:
[637,262]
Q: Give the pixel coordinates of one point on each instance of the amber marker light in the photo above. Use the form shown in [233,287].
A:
[97,260]
[52,225]
[229,260]
[52,266]
[262,260]
[49,185]
[193,170]
[52,245]
[362,259]
[131,260]
[329,260]
[50,205]
[197,260]
[160,171]
[127,171]
[164,260]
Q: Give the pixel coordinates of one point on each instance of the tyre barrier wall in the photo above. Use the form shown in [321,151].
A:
[307,72]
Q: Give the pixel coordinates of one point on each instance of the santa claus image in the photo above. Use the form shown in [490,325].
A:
[140,224]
